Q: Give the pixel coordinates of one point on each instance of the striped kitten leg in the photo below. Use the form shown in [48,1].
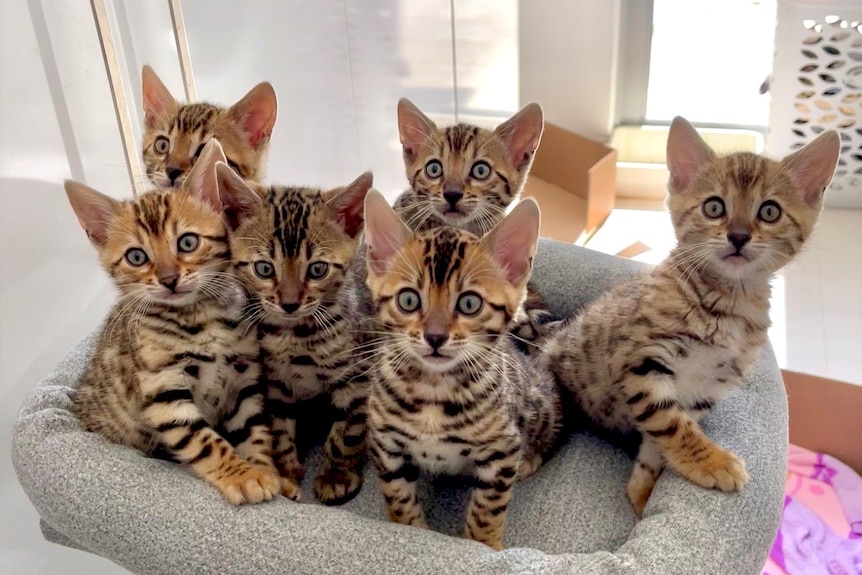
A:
[341,476]
[398,482]
[648,466]
[189,439]
[683,444]
[247,427]
[486,514]
[281,405]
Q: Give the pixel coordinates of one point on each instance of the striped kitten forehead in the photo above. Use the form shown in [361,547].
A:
[744,173]
[464,139]
[192,118]
[444,252]
[152,211]
[290,210]
[160,212]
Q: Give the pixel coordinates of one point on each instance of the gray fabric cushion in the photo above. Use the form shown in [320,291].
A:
[572,517]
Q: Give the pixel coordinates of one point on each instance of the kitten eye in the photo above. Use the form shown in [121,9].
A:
[408,300]
[434,169]
[469,303]
[713,208]
[480,170]
[263,269]
[162,145]
[199,150]
[317,270]
[136,257]
[769,212]
[188,242]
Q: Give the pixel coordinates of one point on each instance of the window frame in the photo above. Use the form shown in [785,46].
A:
[633,71]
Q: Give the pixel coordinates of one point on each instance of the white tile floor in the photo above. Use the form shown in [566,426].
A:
[817,300]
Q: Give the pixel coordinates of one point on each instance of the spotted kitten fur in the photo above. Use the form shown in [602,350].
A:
[656,354]
[450,393]
[293,250]
[170,374]
[175,134]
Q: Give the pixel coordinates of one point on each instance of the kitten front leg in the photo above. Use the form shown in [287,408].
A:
[684,446]
[189,439]
[248,428]
[281,406]
[341,476]
[486,514]
[648,466]
[398,482]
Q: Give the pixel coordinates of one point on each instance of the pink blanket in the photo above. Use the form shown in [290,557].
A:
[821,526]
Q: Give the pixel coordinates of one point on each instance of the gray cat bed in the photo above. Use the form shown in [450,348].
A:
[572,517]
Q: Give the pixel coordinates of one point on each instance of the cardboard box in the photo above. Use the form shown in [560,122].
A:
[825,415]
[573,178]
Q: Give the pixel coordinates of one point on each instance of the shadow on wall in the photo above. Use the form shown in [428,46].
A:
[53,291]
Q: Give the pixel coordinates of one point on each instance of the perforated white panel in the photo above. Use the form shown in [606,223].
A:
[817,85]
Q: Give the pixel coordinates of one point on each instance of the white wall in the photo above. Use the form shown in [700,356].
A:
[568,62]
[338,69]
[56,121]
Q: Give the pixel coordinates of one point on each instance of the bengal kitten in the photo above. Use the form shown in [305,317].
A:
[656,354]
[175,134]
[171,375]
[450,393]
[293,252]
[466,176]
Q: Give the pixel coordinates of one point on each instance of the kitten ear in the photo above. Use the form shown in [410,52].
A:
[255,114]
[814,165]
[158,102]
[687,154]
[202,179]
[414,128]
[239,201]
[94,210]
[385,233]
[348,203]
[521,134]
[513,242]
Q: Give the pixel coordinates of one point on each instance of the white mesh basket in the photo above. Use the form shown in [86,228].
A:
[817,84]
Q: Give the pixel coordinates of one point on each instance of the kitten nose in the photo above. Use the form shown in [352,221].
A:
[290,307]
[436,340]
[173,174]
[738,239]
[452,194]
[169,281]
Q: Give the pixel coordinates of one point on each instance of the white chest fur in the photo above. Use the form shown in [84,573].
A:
[437,456]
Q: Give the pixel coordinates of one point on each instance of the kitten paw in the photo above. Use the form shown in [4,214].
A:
[337,485]
[721,470]
[292,469]
[255,483]
[290,489]
[529,466]
[638,490]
